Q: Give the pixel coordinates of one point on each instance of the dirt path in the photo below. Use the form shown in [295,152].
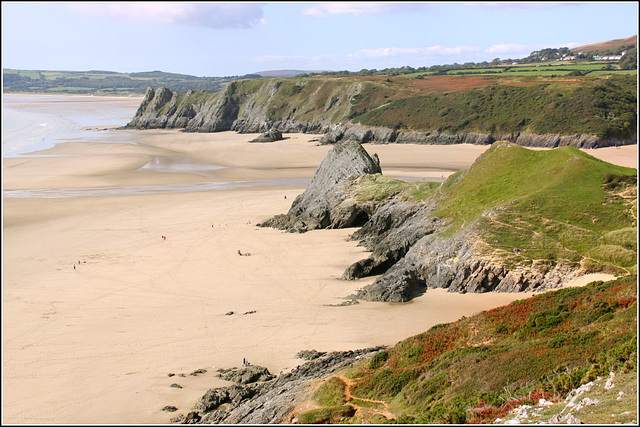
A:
[359,409]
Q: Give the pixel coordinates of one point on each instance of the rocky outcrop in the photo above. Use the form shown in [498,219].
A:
[323,204]
[271,135]
[246,375]
[458,264]
[407,247]
[390,233]
[272,401]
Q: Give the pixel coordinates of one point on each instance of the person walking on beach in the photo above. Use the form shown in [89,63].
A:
[244,362]
[239,252]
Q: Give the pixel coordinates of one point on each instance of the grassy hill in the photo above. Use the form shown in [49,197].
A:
[603,107]
[547,205]
[479,368]
[608,45]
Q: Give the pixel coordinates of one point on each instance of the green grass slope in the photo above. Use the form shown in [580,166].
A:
[547,205]
[478,368]
[601,107]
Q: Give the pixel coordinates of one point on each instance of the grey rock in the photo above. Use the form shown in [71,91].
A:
[309,354]
[174,385]
[313,209]
[391,245]
[271,402]
[169,408]
[270,136]
[198,372]
[234,394]
[178,419]
[192,418]
[245,375]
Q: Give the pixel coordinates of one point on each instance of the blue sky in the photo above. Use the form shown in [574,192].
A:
[217,39]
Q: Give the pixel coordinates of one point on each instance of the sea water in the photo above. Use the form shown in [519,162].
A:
[37,122]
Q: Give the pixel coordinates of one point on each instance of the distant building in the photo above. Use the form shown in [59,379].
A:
[568,58]
[608,58]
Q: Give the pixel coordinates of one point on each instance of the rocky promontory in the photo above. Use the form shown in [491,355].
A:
[453,239]
[323,204]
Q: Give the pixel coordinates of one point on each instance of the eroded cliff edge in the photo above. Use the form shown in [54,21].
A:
[378,112]
[517,220]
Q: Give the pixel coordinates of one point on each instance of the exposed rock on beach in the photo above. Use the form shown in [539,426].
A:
[269,401]
[323,204]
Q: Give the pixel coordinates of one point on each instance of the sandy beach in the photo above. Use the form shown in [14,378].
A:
[95,343]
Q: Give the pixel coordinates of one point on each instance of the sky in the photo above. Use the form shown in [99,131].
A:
[227,39]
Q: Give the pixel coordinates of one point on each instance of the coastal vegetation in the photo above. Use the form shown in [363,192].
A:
[478,369]
[601,106]
[605,108]
[377,187]
[546,205]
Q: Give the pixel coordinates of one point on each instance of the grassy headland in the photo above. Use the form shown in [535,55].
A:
[547,205]
[477,369]
[603,106]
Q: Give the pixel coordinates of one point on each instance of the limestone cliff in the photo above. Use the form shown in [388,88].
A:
[329,107]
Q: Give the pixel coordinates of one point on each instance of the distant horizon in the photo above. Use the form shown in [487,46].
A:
[282,70]
[222,39]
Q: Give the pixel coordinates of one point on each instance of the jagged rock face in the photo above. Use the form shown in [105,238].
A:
[456,263]
[392,245]
[232,394]
[323,204]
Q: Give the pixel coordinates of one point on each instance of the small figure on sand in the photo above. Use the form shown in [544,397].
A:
[244,362]
[243,254]
[74,266]
[285,197]
[164,237]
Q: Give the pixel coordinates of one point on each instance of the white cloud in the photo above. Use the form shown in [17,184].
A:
[506,48]
[211,15]
[321,10]
[422,51]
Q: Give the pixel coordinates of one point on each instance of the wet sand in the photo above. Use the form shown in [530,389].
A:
[95,344]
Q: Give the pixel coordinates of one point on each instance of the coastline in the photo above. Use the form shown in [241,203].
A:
[97,342]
